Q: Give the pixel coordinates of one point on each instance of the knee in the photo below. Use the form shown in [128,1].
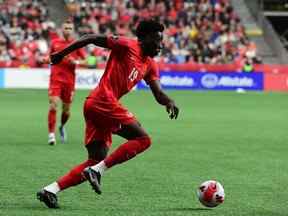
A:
[53,106]
[66,109]
[136,146]
[145,142]
[66,112]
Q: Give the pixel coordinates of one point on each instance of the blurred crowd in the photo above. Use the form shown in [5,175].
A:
[197,31]
[25,30]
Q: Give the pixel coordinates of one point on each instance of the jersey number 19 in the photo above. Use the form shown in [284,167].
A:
[133,75]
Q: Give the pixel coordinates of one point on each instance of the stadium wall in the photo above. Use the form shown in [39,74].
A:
[182,80]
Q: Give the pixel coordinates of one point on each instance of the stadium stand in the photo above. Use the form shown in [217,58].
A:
[25,29]
[198,31]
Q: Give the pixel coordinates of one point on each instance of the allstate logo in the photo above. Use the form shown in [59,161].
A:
[209,80]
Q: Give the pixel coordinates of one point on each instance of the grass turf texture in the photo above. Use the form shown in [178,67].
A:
[238,139]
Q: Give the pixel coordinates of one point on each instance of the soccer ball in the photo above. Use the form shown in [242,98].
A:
[211,193]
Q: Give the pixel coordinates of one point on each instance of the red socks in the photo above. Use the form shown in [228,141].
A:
[64,117]
[51,120]
[127,151]
[74,177]
[123,153]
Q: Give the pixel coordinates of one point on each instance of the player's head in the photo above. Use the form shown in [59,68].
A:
[150,35]
[68,28]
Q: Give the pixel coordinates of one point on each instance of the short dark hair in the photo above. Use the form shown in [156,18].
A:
[146,27]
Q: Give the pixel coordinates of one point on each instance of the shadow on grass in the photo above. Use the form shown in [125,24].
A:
[186,209]
[43,208]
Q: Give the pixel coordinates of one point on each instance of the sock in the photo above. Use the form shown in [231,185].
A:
[100,167]
[50,135]
[53,188]
[51,120]
[127,151]
[74,177]
[64,118]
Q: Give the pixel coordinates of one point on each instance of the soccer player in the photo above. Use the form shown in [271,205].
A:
[62,82]
[130,61]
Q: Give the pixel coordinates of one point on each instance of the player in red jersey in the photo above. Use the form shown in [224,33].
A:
[130,61]
[62,82]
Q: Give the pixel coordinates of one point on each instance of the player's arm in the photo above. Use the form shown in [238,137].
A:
[97,40]
[163,99]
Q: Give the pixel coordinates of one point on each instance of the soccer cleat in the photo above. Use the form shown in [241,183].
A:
[63,134]
[51,139]
[50,199]
[94,178]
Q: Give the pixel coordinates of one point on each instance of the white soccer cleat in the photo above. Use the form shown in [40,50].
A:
[51,139]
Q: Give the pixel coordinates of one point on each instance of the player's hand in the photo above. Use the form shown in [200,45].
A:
[56,58]
[44,60]
[172,110]
[73,61]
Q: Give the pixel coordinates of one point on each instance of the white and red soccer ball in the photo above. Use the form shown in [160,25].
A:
[211,193]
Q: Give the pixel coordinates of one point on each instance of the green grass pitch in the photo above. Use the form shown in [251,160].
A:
[240,140]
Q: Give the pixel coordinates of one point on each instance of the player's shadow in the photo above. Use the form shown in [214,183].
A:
[187,209]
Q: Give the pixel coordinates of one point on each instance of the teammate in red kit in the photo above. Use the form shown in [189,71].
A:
[62,82]
[130,61]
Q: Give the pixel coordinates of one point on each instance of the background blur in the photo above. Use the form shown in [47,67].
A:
[200,36]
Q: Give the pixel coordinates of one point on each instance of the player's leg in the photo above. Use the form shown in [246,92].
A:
[100,150]
[65,113]
[98,130]
[131,131]
[138,141]
[53,101]
[97,151]
[64,118]
[67,93]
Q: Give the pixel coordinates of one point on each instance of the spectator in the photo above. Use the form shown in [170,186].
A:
[91,59]
[201,31]
[248,66]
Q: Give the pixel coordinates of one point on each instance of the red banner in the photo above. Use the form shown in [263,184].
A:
[276,82]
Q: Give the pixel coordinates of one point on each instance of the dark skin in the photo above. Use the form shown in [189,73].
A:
[151,45]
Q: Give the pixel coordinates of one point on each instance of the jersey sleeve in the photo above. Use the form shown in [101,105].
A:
[116,42]
[153,73]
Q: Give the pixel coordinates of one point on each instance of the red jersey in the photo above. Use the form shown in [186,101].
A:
[65,70]
[126,66]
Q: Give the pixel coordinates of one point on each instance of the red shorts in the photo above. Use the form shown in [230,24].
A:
[63,90]
[100,126]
